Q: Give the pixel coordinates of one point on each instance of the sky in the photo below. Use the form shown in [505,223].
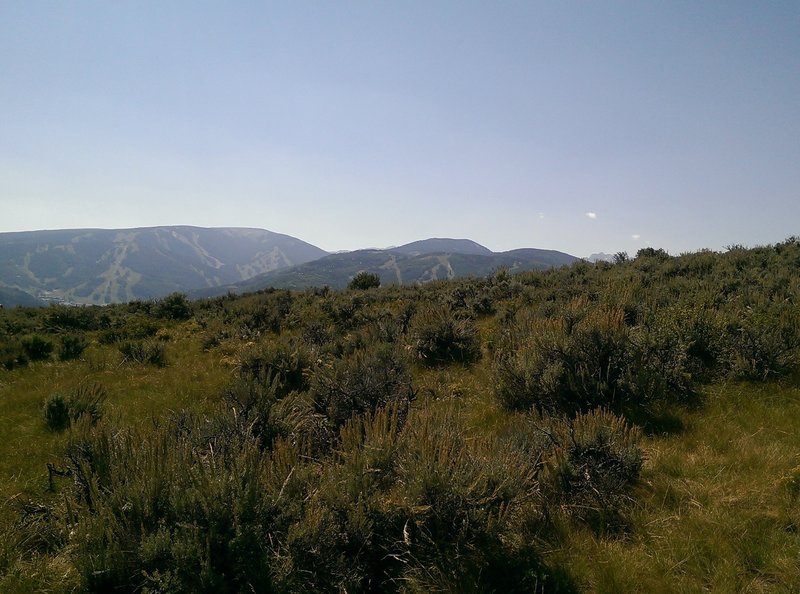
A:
[576,126]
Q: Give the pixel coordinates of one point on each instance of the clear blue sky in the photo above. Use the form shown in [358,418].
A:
[577,126]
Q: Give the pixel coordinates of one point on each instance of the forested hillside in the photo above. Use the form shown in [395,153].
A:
[626,426]
[101,266]
[406,265]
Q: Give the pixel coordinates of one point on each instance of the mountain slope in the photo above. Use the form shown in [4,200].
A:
[438,245]
[106,266]
[395,267]
[10,297]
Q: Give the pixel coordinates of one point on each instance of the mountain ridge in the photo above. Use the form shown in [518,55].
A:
[395,267]
[99,266]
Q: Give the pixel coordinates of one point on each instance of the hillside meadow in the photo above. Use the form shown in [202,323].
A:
[594,428]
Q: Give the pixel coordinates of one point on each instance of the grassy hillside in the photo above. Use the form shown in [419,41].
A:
[600,427]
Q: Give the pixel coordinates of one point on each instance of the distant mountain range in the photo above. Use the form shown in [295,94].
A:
[414,263]
[601,257]
[99,266]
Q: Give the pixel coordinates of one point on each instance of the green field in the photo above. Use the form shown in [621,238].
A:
[627,427]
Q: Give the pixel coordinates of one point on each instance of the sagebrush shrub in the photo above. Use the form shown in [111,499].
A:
[594,464]
[262,408]
[84,401]
[157,512]
[364,280]
[72,346]
[146,352]
[62,317]
[361,382]
[765,340]
[37,348]
[174,307]
[585,358]
[12,354]
[285,362]
[56,412]
[438,337]
[134,327]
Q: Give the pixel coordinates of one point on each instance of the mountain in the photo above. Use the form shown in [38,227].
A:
[10,297]
[601,257]
[439,245]
[395,267]
[100,266]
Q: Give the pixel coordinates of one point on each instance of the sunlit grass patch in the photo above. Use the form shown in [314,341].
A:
[718,506]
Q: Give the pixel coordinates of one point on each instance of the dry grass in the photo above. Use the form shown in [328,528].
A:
[717,510]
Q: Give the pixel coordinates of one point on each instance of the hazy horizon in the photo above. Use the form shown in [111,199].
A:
[576,127]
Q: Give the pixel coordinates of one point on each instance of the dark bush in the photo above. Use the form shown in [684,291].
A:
[362,382]
[12,354]
[439,338]
[174,307]
[72,346]
[657,367]
[364,280]
[595,463]
[415,506]
[261,408]
[62,317]
[37,348]
[86,401]
[134,327]
[765,341]
[155,511]
[658,254]
[286,363]
[56,412]
[346,311]
[562,365]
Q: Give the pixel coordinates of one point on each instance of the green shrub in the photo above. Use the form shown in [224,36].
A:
[415,506]
[146,352]
[156,511]
[362,382]
[85,401]
[174,307]
[765,341]
[12,354]
[72,346]
[271,311]
[703,331]
[439,338]
[262,408]
[562,365]
[364,280]
[595,462]
[56,412]
[587,357]
[467,502]
[658,366]
[285,362]
[37,348]
[346,311]
[133,327]
[70,318]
